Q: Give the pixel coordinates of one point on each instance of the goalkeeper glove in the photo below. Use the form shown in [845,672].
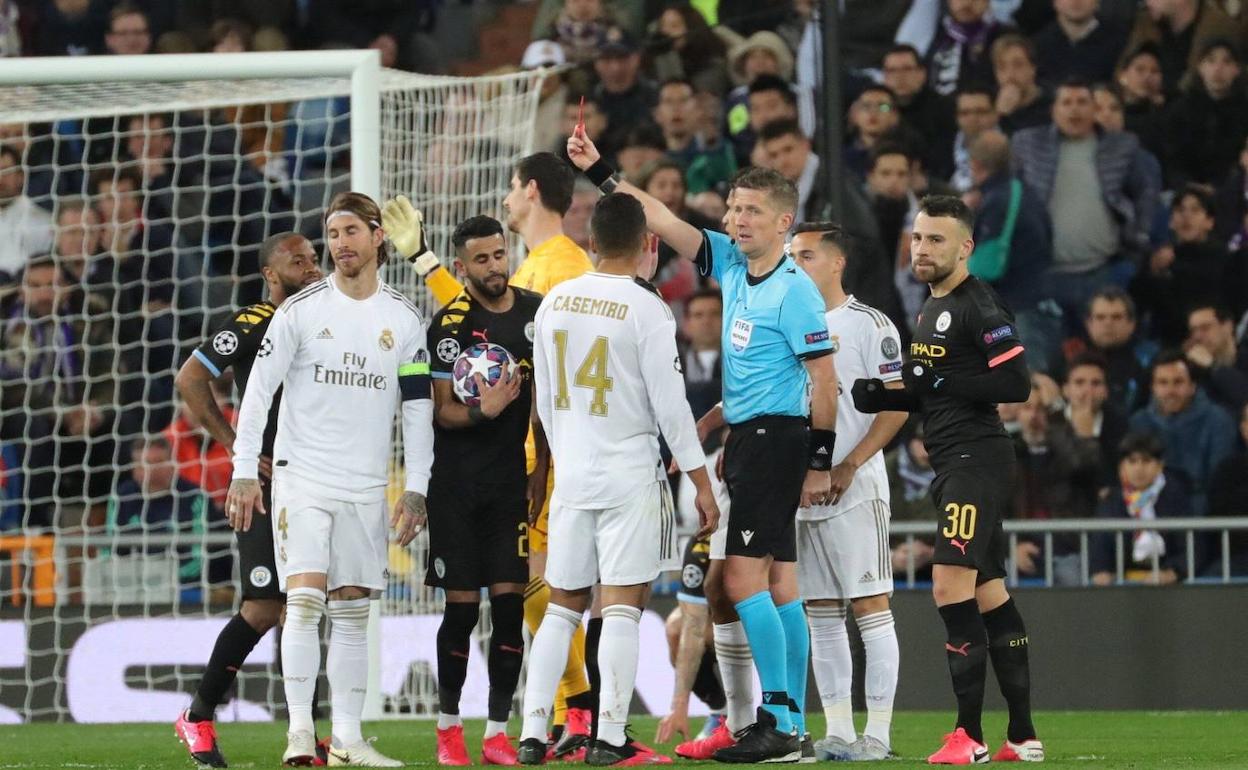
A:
[405,225]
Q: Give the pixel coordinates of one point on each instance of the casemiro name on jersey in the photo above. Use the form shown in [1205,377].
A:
[591,306]
[350,375]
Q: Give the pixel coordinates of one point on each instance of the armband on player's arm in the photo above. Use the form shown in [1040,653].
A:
[415,382]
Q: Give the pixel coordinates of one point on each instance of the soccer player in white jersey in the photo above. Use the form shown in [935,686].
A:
[348,351]
[608,380]
[842,546]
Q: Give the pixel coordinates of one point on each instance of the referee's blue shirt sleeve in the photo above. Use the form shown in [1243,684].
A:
[717,253]
[802,319]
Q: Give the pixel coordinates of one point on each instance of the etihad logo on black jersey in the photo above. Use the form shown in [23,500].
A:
[924,350]
[350,375]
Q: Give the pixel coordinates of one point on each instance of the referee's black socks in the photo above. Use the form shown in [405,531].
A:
[234,644]
[967,653]
[1007,646]
[506,652]
[454,640]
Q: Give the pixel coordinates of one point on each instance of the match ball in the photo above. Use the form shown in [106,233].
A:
[485,359]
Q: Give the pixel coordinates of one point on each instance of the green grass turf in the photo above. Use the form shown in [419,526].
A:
[1072,739]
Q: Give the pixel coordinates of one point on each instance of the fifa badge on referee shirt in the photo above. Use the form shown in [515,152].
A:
[386,341]
[741,332]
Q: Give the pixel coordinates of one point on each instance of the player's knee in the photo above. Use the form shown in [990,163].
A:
[350,619]
[869,604]
[507,618]
[458,619]
[261,614]
[304,608]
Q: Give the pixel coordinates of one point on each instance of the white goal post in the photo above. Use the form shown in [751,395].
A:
[448,143]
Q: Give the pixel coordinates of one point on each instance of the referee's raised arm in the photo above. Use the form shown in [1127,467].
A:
[684,238]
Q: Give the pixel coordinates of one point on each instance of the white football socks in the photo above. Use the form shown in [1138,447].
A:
[736,669]
[617,665]
[548,656]
[347,668]
[301,654]
[834,668]
[879,637]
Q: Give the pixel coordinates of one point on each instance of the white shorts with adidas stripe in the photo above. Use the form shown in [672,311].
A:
[845,556]
[622,546]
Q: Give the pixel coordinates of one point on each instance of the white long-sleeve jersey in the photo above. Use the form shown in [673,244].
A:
[345,366]
[608,380]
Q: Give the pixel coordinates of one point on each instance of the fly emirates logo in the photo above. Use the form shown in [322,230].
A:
[351,375]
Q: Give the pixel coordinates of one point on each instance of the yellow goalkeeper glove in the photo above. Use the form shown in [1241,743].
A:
[405,226]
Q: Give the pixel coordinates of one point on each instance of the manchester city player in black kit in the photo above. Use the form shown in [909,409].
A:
[479,494]
[966,358]
[288,263]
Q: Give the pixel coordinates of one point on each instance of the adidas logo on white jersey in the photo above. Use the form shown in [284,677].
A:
[747,535]
[325,334]
[869,577]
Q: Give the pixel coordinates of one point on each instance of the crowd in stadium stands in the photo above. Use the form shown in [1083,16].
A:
[1103,146]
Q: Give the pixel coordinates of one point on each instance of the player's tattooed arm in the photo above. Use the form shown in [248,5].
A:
[409,517]
[194,384]
[694,621]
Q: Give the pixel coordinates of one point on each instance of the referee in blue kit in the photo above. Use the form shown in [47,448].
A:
[777,373]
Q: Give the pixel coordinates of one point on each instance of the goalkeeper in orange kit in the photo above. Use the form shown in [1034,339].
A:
[541,193]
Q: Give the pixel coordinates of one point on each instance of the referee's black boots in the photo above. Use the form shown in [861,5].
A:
[762,742]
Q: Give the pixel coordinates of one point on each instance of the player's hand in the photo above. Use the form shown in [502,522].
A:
[243,498]
[535,489]
[409,517]
[581,149]
[266,467]
[868,396]
[842,476]
[405,226]
[710,422]
[708,513]
[920,378]
[816,489]
[675,723]
[495,398]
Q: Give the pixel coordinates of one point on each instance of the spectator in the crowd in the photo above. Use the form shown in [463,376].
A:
[25,228]
[155,499]
[763,55]
[580,29]
[678,116]
[625,96]
[1209,121]
[1148,488]
[639,147]
[699,347]
[959,52]
[10,29]
[789,152]
[665,180]
[683,46]
[1180,29]
[201,459]
[1099,190]
[78,249]
[1110,323]
[1228,496]
[576,222]
[57,378]
[910,476]
[1232,205]
[397,28]
[922,109]
[768,100]
[1089,416]
[892,198]
[50,165]
[1058,478]
[976,112]
[1078,43]
[1189,268]
[1219,363]
[231,36]
[707,174]
[1109,109]
[1021,101]
[71,28]
[129,33]
[546,125]
[1197,433]
[1144,97]
[872,117]
[1013,252]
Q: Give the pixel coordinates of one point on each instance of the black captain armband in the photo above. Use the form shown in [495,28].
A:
[603,176]
[415,381]
[822,442]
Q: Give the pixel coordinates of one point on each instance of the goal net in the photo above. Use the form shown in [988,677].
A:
[131,215]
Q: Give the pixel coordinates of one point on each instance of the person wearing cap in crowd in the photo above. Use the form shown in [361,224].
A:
[763,53]
[541,54]
[626,97]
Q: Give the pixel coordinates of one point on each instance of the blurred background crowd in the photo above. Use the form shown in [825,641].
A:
[1103,146]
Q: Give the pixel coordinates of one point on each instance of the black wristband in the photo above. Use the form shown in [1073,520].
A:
[822,442]
[475,415]
[599,173]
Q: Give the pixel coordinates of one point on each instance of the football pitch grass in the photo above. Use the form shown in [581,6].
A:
[1086,739]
